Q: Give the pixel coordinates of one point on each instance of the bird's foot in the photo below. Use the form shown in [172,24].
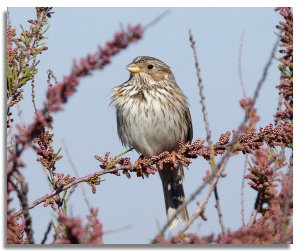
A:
[178,158]
[138,166]
[175,157]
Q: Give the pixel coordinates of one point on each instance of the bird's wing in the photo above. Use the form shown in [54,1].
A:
[188,119]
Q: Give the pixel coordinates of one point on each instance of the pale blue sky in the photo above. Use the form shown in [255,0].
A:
[88,124]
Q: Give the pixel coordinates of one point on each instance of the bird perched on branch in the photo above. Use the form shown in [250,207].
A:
[152,117]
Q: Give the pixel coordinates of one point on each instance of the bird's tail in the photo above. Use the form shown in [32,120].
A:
[174,195]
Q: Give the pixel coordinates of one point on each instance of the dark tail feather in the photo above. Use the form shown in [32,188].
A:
[174,195]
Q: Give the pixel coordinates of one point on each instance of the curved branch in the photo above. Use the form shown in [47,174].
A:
[86,178]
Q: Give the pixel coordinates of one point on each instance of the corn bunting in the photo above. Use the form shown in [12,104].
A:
[152,117]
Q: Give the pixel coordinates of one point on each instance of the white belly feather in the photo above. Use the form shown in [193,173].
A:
[148,128]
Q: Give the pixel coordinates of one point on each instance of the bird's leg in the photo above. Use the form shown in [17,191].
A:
[138,165]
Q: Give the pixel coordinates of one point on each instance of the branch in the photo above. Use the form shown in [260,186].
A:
[243,191]
[265,72]
[86,178]
[156,20]
[207,128]
[219,210]
[46,233]
[201,90]
[240,66]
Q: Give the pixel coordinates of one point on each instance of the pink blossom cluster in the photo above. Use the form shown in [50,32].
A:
[71,231]
[44,149]
[286,80]
[62,180]
[263,174]
[11,51]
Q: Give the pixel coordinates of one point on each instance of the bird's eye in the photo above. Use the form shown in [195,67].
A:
[150,66]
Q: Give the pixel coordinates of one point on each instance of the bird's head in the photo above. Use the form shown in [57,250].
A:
[149,68]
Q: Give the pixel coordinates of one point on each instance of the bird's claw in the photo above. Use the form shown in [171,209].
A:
[175,156]
[138,166]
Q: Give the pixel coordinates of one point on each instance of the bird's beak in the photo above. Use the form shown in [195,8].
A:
[133,68]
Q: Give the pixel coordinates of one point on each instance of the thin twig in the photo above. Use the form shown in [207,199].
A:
[33,85]
[218,206]
[46,233]
[156,20]
[259,85]
[240,66]
[71,191]
[201,90]
[265,73]
[207,128]
[77,174]
[117,230]
[244,96]
[243,191]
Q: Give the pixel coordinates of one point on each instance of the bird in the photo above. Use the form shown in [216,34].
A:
[153,116]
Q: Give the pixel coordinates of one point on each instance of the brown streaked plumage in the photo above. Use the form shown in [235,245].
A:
[152,117]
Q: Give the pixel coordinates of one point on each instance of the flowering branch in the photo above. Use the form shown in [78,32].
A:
[25,49]
[92,179]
